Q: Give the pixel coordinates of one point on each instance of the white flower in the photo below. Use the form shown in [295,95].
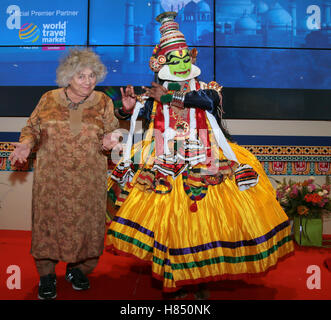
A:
[321,193]
[284,200]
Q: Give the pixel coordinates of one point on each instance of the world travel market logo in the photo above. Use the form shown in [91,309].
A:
[29,32]
[50,32]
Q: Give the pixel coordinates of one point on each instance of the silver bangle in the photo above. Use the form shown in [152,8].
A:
[178,99]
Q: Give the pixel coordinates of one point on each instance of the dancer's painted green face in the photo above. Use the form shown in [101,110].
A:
[179,63]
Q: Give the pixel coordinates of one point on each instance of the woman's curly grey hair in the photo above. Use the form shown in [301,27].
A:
[76,61]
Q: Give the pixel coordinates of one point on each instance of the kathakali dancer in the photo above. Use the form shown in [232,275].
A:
[195,205]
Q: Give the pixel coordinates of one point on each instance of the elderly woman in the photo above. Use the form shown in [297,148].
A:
[69,128]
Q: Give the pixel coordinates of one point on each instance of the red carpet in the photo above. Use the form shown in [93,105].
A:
[122,278]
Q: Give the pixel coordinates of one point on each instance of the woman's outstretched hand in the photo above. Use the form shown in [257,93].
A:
[111,140]
[20,154]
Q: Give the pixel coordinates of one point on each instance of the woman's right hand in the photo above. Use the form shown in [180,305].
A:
[20,154]
[128,99]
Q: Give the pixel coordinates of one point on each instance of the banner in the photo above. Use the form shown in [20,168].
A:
[39,22]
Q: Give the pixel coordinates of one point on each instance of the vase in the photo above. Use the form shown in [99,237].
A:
[308,231]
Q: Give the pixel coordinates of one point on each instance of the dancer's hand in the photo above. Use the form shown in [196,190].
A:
[156,92]
[128,99]
[20,154]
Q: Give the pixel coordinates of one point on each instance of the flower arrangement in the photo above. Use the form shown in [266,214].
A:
[305,198]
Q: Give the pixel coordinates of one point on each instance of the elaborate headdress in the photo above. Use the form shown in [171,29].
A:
[171,40]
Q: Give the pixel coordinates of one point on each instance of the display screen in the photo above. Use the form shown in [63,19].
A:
[39,22]
[133,22]
[271,23]
[273,68]
[281,44]
[122,71]
[34,35]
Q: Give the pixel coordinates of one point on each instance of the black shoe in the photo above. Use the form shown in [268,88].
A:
[78,279]
[47,287]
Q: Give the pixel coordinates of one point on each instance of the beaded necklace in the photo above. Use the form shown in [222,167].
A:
[74,105]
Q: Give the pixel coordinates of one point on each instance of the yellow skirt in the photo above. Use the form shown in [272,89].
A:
[233,234]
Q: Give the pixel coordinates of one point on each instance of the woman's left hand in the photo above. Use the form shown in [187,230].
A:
[111,140]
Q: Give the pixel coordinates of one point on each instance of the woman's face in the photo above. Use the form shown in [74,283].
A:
[83,82]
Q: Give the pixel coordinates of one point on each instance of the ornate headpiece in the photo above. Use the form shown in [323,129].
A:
[171,40]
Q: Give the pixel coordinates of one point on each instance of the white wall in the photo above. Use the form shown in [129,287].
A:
[16,192]
[16,187]
[15,200]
